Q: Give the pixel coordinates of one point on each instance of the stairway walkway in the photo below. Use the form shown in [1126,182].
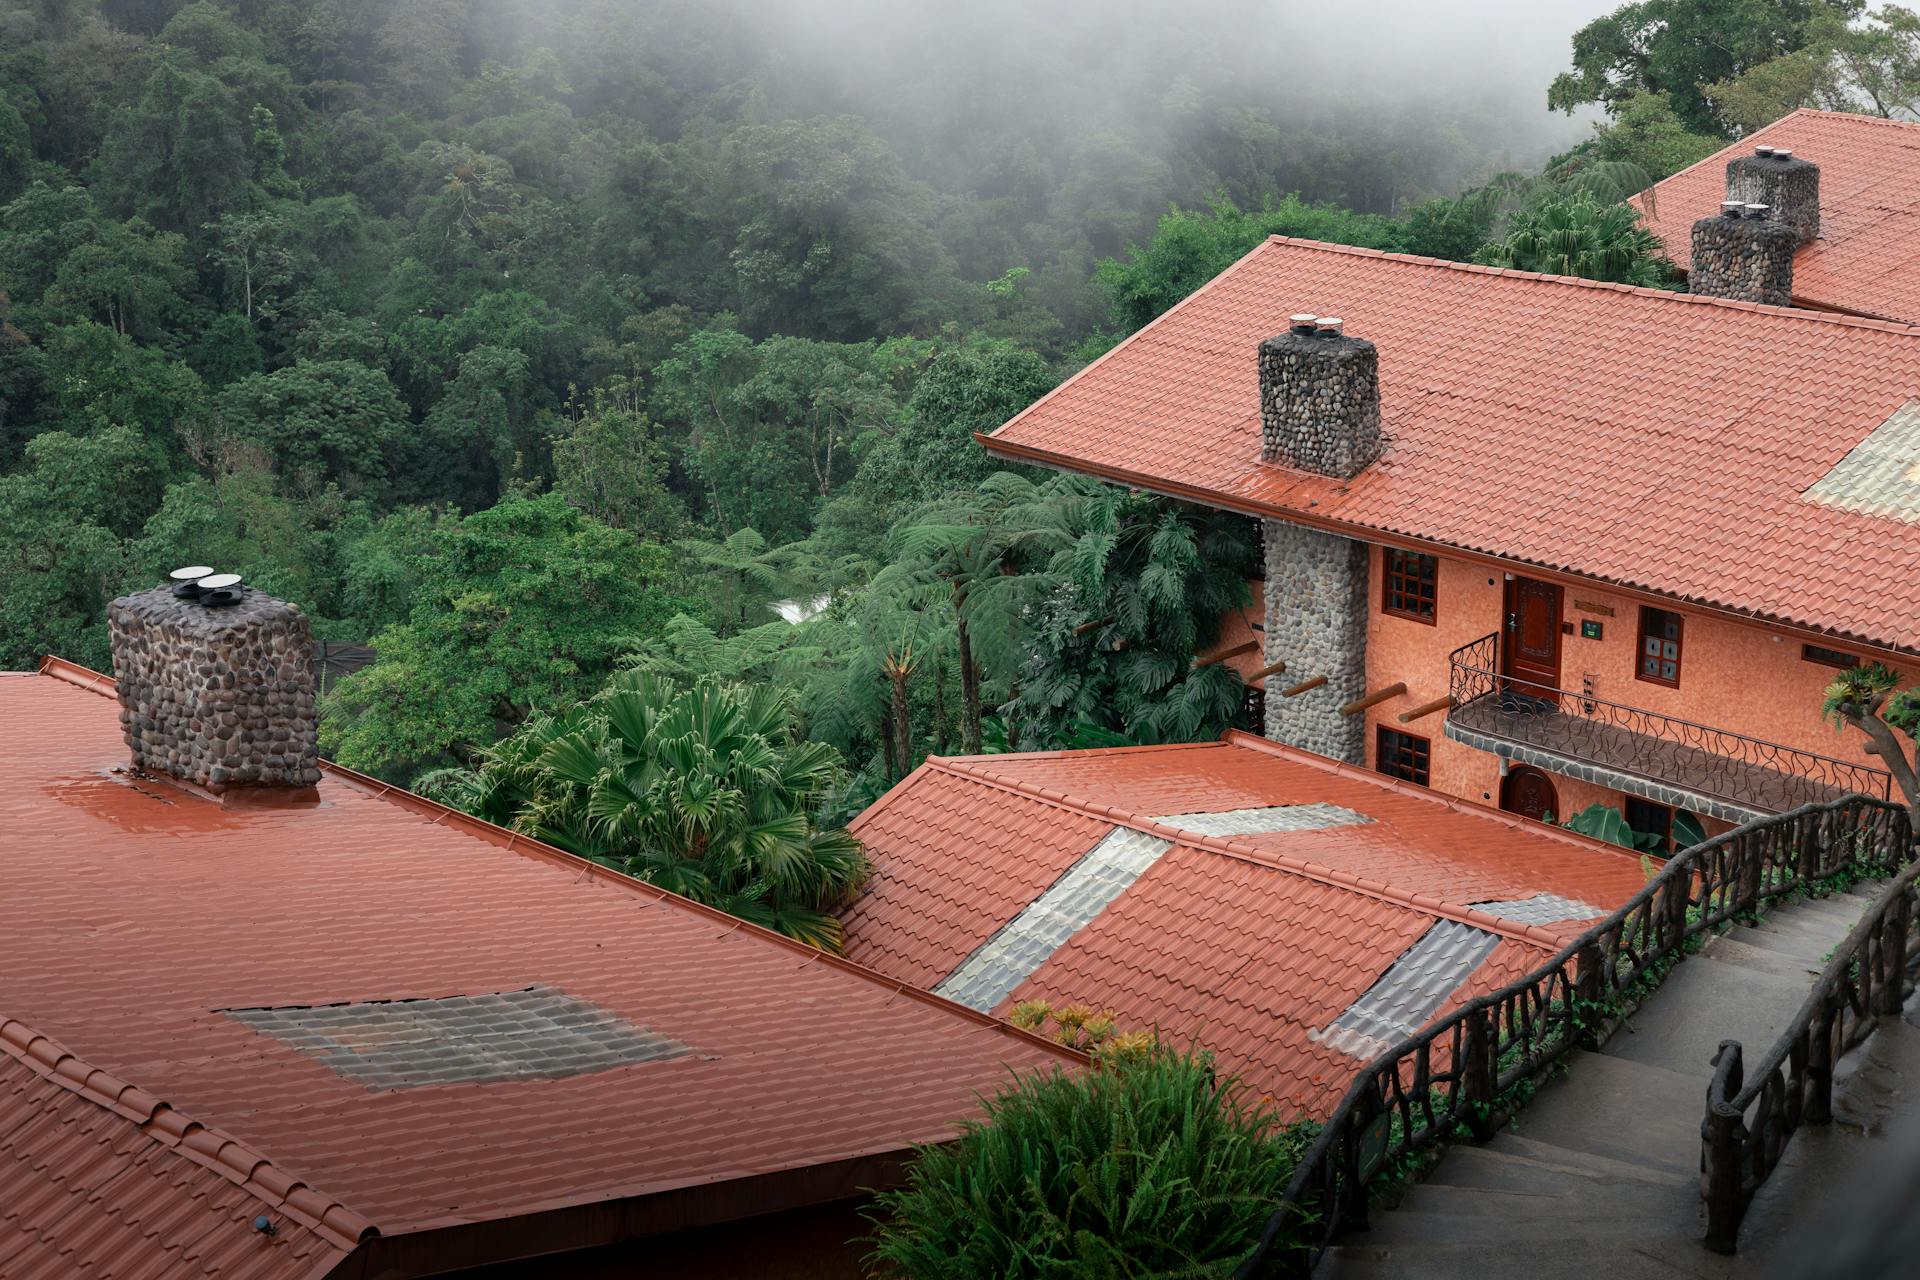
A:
[1600,1174]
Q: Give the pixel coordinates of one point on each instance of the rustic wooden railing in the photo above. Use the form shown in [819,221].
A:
[1449,1077]
[1749,1122]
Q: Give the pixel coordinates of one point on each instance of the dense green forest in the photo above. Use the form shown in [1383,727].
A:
[543,345]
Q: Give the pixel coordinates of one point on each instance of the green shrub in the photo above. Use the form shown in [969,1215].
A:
[1137,1168]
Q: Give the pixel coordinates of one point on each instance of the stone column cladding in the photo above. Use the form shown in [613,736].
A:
[1320,402]
[1317,593]
[1790,187]
[219,697]
[1746,258]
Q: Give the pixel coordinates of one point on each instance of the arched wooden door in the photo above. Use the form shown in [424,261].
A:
[1529,793]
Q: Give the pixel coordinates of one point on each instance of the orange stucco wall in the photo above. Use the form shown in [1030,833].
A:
[1741,678]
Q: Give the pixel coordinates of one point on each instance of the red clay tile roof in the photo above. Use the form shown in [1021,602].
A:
[99,1177]
[1867,259]
[1646,439]
[137,912]
[1246,944]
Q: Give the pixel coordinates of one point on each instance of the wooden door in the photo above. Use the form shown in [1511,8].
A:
[1529,793]
[1530,656]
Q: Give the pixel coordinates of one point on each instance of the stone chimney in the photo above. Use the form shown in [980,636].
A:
[1319,398]
[1319,411]
[1743,252]
[217,685]
[1782,181]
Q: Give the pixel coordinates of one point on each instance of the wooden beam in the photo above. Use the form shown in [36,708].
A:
[1303,686]
[1214,659]
[1085,627]
[1427,709]
[1271,669]
[1358,705]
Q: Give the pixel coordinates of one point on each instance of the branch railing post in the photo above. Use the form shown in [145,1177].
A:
[1820,1059]
[1893,953]
[1477,1075]
[1723,1136]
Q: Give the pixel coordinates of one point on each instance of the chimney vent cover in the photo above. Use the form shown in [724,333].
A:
[1331,325]
[1732,208]
[1763,150]
[219,590]
[1782,153]
[186,582]
[1302,321]
[1758,210]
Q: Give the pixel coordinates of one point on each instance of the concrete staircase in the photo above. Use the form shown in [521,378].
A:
[1600,1174]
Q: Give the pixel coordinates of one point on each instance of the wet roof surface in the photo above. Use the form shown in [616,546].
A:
[1251,945]
[1638,437]
[1867,258]
[138,916]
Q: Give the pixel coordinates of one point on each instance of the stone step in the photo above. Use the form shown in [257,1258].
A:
[1704,1001]
[1731,950]
[1811,948]
[1500,1166]
[1357,1258]
[1509,1142]
[1437,1214]
[1621,1110]
[1836,906]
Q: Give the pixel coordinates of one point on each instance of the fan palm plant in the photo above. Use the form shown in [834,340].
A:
[705,790]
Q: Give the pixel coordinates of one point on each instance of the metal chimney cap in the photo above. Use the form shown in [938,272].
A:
[1758,210]
[1732,208]
[192,573]
[1763,150]
[1302,321]
[1782,153]
[218,581]
[1330,324]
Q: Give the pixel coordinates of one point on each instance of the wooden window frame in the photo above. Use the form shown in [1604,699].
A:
[1629,803]
[1821,656]
[1421,761]
[1389,556]
[1679,647]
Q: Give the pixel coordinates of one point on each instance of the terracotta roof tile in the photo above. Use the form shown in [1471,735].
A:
[137,912]
[1245,944]
[1869,246]
[1649,439]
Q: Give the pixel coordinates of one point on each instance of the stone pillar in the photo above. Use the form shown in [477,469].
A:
[1784,183]
[221,697]
[1743,253]
[1317,596]
[1319,411]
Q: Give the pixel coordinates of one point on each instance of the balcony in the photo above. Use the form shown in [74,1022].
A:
[1675,762]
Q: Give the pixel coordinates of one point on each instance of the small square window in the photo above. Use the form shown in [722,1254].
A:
[1660,644]
[1409,584]
[1650,818]
[1828,657]
[1403,755]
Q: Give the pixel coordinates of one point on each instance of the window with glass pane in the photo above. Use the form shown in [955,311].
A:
[1402,755]
[1410,580]
[1660,647]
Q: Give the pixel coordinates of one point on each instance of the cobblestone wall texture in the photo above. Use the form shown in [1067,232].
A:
[1746,258]
[1791,187]
[220,697]
[1320,402]
[1317,596]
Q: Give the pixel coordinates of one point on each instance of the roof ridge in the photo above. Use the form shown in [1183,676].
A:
[528,847]
[1803,314]
[165,1124]
[1380,891]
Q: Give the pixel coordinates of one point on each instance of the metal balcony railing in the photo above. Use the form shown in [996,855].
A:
[1765,777]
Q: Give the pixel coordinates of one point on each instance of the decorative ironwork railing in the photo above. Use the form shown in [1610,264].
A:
[1749,772]
[1749,1122]
[1450,1075]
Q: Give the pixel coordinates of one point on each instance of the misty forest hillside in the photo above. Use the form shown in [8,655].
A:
[531,343]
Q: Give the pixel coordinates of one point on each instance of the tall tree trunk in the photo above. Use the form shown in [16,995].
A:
[902,723]
[940,708]
[1883,742]
[969,693]
[886,745]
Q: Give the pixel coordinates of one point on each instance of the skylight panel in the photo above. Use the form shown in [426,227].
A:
[1273,820]
[1407,994]
[1083,891]
[1541,908]
[1880,476]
